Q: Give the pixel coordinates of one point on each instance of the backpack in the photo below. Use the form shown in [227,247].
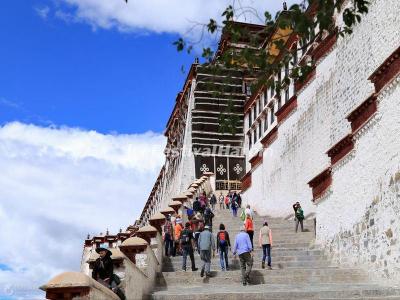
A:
[299,214]
[185,237]
[222,238]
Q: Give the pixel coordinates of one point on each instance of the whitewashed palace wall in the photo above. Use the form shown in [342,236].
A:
[185,170]
[298,154]
[358,219]
[187,167]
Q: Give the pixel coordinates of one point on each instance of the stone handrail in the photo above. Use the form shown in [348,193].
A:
[69,285]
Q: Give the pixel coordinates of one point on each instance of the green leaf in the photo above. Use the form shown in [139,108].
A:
[212,26]
[267,16]
[180,44]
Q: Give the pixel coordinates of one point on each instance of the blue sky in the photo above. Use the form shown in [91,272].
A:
[52,71]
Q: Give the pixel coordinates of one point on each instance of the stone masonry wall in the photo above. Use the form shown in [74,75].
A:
[358,221]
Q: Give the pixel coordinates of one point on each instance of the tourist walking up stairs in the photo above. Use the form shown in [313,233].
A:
[223,245]
[187,245]
[265,242]
[244,248]
[206,246]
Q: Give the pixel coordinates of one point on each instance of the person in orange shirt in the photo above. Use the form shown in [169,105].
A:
[248,224]
[178,230]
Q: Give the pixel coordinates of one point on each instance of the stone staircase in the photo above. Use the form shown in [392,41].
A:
[299,271]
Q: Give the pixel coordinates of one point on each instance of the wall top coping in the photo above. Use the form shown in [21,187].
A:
[175,203]
[147,228]
[77,280]
[180,196]
[157,216]
[68,279]
[134,241]
[168,210]
[189,194]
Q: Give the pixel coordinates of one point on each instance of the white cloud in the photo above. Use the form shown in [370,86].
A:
[57,185]
[172,16]
[43,11]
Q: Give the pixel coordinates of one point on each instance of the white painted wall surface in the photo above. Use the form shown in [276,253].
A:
[358,222]
[365,185]
[341,84]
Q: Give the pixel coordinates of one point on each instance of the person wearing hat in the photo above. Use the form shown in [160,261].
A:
[206,244]
[103,271]
[103,268]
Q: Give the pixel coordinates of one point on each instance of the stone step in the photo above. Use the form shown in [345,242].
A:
[219,71]
[286,231]
[275,252]
[234,265]
[217,96]
[278,237]
[218,90]
[257,257]
[299,271]
[286,255]
[215,78]
[238,222]
[208,290]
[260,276]
[305,255]
[228,216]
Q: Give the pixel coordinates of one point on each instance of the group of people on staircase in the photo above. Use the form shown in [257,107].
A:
[197,236]
[232,200]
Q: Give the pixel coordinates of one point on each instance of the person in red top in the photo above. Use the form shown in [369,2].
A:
[248,224]
[227,201]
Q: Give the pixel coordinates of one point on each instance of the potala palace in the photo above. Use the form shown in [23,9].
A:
[331,142]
